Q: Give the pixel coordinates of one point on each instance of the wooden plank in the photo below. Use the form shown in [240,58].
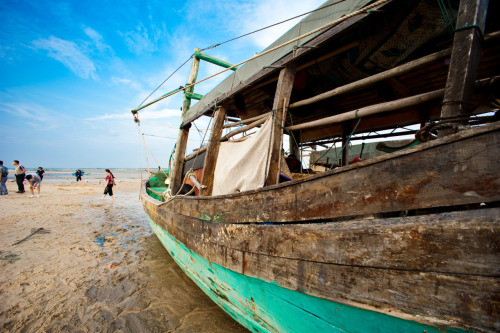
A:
[213,151]
[465,242]
[281,101]
[464,59]
[455,170]
[461,300]
[180,147]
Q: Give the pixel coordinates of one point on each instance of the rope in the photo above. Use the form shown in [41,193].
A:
[476,27]
[144,142]
[272,25]
[347,141]
[178,68]
[326,26]
[450,20]
[430,131]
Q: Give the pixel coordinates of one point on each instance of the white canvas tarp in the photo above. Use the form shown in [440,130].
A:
[243,166]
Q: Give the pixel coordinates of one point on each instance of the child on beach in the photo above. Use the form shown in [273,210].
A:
[35,181]
[110,181]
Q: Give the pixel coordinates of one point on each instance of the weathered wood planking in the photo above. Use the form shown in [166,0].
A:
[454,170]
[462,300]
[466,242]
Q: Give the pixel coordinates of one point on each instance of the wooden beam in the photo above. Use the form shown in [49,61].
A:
[281,101]
[464,60]
[180,147]
[246,128]
[213,152]
[380,108]
[394,72]
[246,121]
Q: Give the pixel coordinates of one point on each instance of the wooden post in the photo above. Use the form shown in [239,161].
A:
[180,148]
[464,61]
[212,152]
[282,96]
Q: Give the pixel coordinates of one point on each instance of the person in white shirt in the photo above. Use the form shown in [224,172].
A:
[34,181]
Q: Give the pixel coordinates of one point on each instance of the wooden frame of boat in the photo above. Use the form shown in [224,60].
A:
[407,241]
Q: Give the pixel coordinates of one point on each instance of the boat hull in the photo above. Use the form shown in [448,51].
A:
[436,270]
[263,306]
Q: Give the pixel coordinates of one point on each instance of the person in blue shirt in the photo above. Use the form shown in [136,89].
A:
[4,173]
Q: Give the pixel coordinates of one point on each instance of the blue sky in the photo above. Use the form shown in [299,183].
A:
[71,71]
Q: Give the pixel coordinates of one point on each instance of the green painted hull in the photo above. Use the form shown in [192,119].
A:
[261,306]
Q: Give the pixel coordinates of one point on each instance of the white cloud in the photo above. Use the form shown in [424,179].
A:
[264,13]
[98,41]
[126,82]
[69,54]
[143,40]
[35,115]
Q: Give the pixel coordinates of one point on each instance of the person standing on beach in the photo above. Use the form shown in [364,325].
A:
[78,175]
[40,172]
[35,182]
[110,181]
[20,172]
[4,172]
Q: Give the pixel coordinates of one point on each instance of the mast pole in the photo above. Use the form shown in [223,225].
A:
[182,138]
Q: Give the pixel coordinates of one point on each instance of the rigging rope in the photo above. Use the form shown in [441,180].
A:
[178,68]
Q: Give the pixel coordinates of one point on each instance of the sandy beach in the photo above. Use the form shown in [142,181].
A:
[95,267]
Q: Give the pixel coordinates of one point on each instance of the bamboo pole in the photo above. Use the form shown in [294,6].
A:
[393,72]
[403,69]
[246,121]
[246,128]
[180,148]
[382,107]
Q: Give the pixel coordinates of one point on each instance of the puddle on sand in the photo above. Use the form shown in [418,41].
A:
[141,274]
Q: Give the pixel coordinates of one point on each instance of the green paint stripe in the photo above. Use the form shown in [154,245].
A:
[261,306]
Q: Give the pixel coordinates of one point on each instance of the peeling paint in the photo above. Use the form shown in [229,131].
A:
[263,306]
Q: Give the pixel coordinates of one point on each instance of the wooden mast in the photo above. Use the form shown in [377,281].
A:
[182,138]
[464,61]
[281,100]
[213,152]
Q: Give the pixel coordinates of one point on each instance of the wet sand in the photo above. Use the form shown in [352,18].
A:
[99,269]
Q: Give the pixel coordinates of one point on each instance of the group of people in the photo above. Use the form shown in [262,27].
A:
[33,179]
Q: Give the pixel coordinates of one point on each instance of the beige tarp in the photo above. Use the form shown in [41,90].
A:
[243,166]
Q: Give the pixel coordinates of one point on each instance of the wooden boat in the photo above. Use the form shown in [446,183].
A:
[403,242]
